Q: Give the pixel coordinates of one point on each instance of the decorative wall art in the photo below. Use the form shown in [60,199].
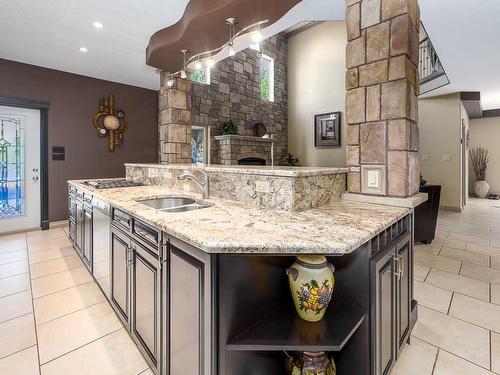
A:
[327,129]
[110,122]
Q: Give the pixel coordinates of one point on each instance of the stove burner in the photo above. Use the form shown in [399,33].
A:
[111,184]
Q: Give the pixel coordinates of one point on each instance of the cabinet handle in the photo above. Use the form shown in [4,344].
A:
[402,267]
[130,255]
[397,267]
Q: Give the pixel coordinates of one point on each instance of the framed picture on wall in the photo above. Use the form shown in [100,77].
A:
[327,129]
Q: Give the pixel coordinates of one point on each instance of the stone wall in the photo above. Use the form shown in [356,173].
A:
[381,100]
[233,148]
[235,93]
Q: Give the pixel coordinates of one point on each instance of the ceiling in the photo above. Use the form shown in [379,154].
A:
[50,33]
[467,44]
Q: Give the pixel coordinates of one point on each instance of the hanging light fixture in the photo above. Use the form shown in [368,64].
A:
[170,81]
[230,48]
[183,70]
[209,62]
[198,65]
[256,35]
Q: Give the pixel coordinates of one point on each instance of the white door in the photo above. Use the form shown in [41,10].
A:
[19,169]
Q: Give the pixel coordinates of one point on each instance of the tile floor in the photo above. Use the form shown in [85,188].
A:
[55,320]
[53,317]
[457,286]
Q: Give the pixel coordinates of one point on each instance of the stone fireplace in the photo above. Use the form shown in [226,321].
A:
[243,150]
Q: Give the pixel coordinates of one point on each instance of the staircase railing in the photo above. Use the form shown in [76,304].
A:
[429,64]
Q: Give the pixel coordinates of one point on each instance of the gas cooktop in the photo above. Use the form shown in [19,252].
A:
[111,183]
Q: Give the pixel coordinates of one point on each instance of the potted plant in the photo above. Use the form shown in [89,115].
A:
[228,127]
[479,160]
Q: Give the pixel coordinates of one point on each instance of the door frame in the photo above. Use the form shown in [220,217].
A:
[43,107]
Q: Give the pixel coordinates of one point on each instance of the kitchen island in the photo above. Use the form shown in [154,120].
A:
[205,291]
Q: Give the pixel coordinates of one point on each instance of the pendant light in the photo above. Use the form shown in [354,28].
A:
[183,70]
[232,21]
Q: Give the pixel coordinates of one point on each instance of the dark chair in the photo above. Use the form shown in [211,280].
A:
[426,214]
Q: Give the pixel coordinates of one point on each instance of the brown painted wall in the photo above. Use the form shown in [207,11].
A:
[73,101]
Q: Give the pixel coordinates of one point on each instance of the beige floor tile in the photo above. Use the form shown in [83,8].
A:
[38,235]
[14,268]
[420,272]
[50,254]
[112,354]
[472,310]
[24,362]
[14,284]
[465,256]
[480,240]
[461,284]
[495,262]
[147,372]
[432,297]
[455,244]
[480,249]
[495,293]
[69,332]
[444,264]
[67,301]
[495,352]
[56,265]
[59,281]
[449,364]
[11,242]
[427,249]
[15,305]
[481,273]
[416,359]
[13,256]
[41,244]
[453,335]
[17,334]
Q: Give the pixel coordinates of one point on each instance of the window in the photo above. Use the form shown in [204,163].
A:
[197,144]
[201,76]
[267,78]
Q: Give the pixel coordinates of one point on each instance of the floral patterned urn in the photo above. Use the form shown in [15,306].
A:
[311,284]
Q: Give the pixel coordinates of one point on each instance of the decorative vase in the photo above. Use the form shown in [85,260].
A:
[481,189]
[311,284]
[309,363]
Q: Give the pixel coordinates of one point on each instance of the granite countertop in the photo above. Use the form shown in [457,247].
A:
[245,169]
[233,227]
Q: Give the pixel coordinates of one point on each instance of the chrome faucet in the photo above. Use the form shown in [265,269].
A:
[203,186]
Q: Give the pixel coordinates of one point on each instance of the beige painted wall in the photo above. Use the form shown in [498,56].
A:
[440,134]
[316,84]
[485,132]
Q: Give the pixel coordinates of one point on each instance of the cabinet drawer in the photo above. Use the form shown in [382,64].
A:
[79,194]
[121,219]
[146,234]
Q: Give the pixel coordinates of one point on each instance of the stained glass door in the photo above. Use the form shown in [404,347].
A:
[19,169]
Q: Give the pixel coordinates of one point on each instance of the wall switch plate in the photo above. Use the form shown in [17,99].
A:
[373,179]
[446,157]
[262,187]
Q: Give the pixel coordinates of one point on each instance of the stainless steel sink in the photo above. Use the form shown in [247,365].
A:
[173,204]
[167,202]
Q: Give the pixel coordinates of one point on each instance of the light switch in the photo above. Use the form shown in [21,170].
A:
[373,179]
[446,157]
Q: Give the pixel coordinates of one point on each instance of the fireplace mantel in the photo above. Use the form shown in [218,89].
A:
[232,148]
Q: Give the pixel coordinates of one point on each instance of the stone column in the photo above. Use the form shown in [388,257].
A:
[381,100]
[174,121]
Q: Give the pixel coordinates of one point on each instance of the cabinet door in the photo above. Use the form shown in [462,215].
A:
[79,227]
[190,311]
[120,275]
[87,239]
[146,302]
[403,300]
[72,230]
[383,318]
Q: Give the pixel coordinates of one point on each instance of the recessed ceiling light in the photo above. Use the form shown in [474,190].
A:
[83,49]
[98,25]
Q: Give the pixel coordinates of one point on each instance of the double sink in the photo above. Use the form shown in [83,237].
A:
[173,204]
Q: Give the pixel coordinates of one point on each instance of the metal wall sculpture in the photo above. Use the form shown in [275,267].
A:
[110,122]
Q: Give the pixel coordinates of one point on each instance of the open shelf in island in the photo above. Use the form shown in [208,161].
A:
[285,330]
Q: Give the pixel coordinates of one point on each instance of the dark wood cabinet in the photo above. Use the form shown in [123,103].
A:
[137,293]
[120,275]
[192,344]
[391,297]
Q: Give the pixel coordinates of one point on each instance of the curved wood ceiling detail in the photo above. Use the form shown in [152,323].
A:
[203,27]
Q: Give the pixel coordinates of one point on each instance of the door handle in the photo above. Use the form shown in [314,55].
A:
[35,178]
